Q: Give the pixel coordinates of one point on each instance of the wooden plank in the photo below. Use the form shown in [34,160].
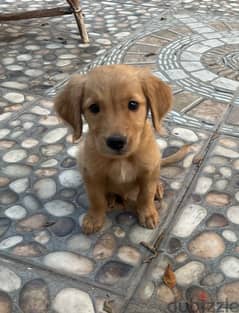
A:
[36,14]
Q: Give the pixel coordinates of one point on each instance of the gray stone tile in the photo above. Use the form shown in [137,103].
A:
[34,289]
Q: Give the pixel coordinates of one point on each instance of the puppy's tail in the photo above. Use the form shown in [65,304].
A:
[178,156]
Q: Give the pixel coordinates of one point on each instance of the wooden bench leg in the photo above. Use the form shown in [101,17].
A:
[75,5]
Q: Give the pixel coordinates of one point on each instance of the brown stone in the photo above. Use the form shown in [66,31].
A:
[233,117]
[236,249]
[217,220]
[167,295]
[228,143]
[34,222]
[34,297]
[152,40]
[183,99]
[181,257]
[229,292]
[170,171]
[6,144]
[218,25]
[129,255]
[217,199]
[33,159]
[146,57]
[4,181]
[142,48]
[46,172]
[199,300]
[207,245]
[166,33]
[209,111]
[181,29]
[113,272]
[104,247]
[5,303]
[32,249]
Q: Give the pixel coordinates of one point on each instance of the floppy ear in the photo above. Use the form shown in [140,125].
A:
[159,98]
[68,103]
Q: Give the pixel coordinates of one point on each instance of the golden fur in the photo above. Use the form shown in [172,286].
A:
[135,168]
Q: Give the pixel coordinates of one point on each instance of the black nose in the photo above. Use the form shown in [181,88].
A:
[116,142]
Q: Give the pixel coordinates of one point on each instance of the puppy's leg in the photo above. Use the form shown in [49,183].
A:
[147,213]
[95,217]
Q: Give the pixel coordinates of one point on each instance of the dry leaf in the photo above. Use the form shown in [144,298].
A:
[169,277]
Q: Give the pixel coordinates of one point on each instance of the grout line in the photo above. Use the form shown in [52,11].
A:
[74,278]
[196,170]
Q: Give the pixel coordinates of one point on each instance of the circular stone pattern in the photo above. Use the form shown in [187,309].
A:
[227,58]
[197,55]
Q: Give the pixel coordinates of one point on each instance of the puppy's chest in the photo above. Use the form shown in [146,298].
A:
[122,171]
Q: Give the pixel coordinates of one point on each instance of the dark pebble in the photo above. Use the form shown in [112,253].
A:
[217,220]
[113,272]
[63,227]
[8,197]
[34,297]
[126,219]
[68,162]
[174,245]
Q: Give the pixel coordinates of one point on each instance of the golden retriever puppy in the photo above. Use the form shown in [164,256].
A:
[119,154]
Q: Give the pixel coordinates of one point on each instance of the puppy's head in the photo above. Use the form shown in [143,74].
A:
[114,101]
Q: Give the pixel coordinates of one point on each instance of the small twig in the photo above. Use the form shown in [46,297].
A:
[148,246]
[150,258]
[152,248]
[107,307]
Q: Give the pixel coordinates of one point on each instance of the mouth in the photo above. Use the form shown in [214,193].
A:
[118,153]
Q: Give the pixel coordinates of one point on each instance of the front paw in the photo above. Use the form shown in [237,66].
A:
[148,218]
[92,224]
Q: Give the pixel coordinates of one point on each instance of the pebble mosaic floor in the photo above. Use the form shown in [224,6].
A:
[46,263]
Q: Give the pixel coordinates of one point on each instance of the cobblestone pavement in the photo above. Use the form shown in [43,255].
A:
[46,263]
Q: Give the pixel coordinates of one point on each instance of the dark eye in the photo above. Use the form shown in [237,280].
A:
[133,105]
[94,108]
